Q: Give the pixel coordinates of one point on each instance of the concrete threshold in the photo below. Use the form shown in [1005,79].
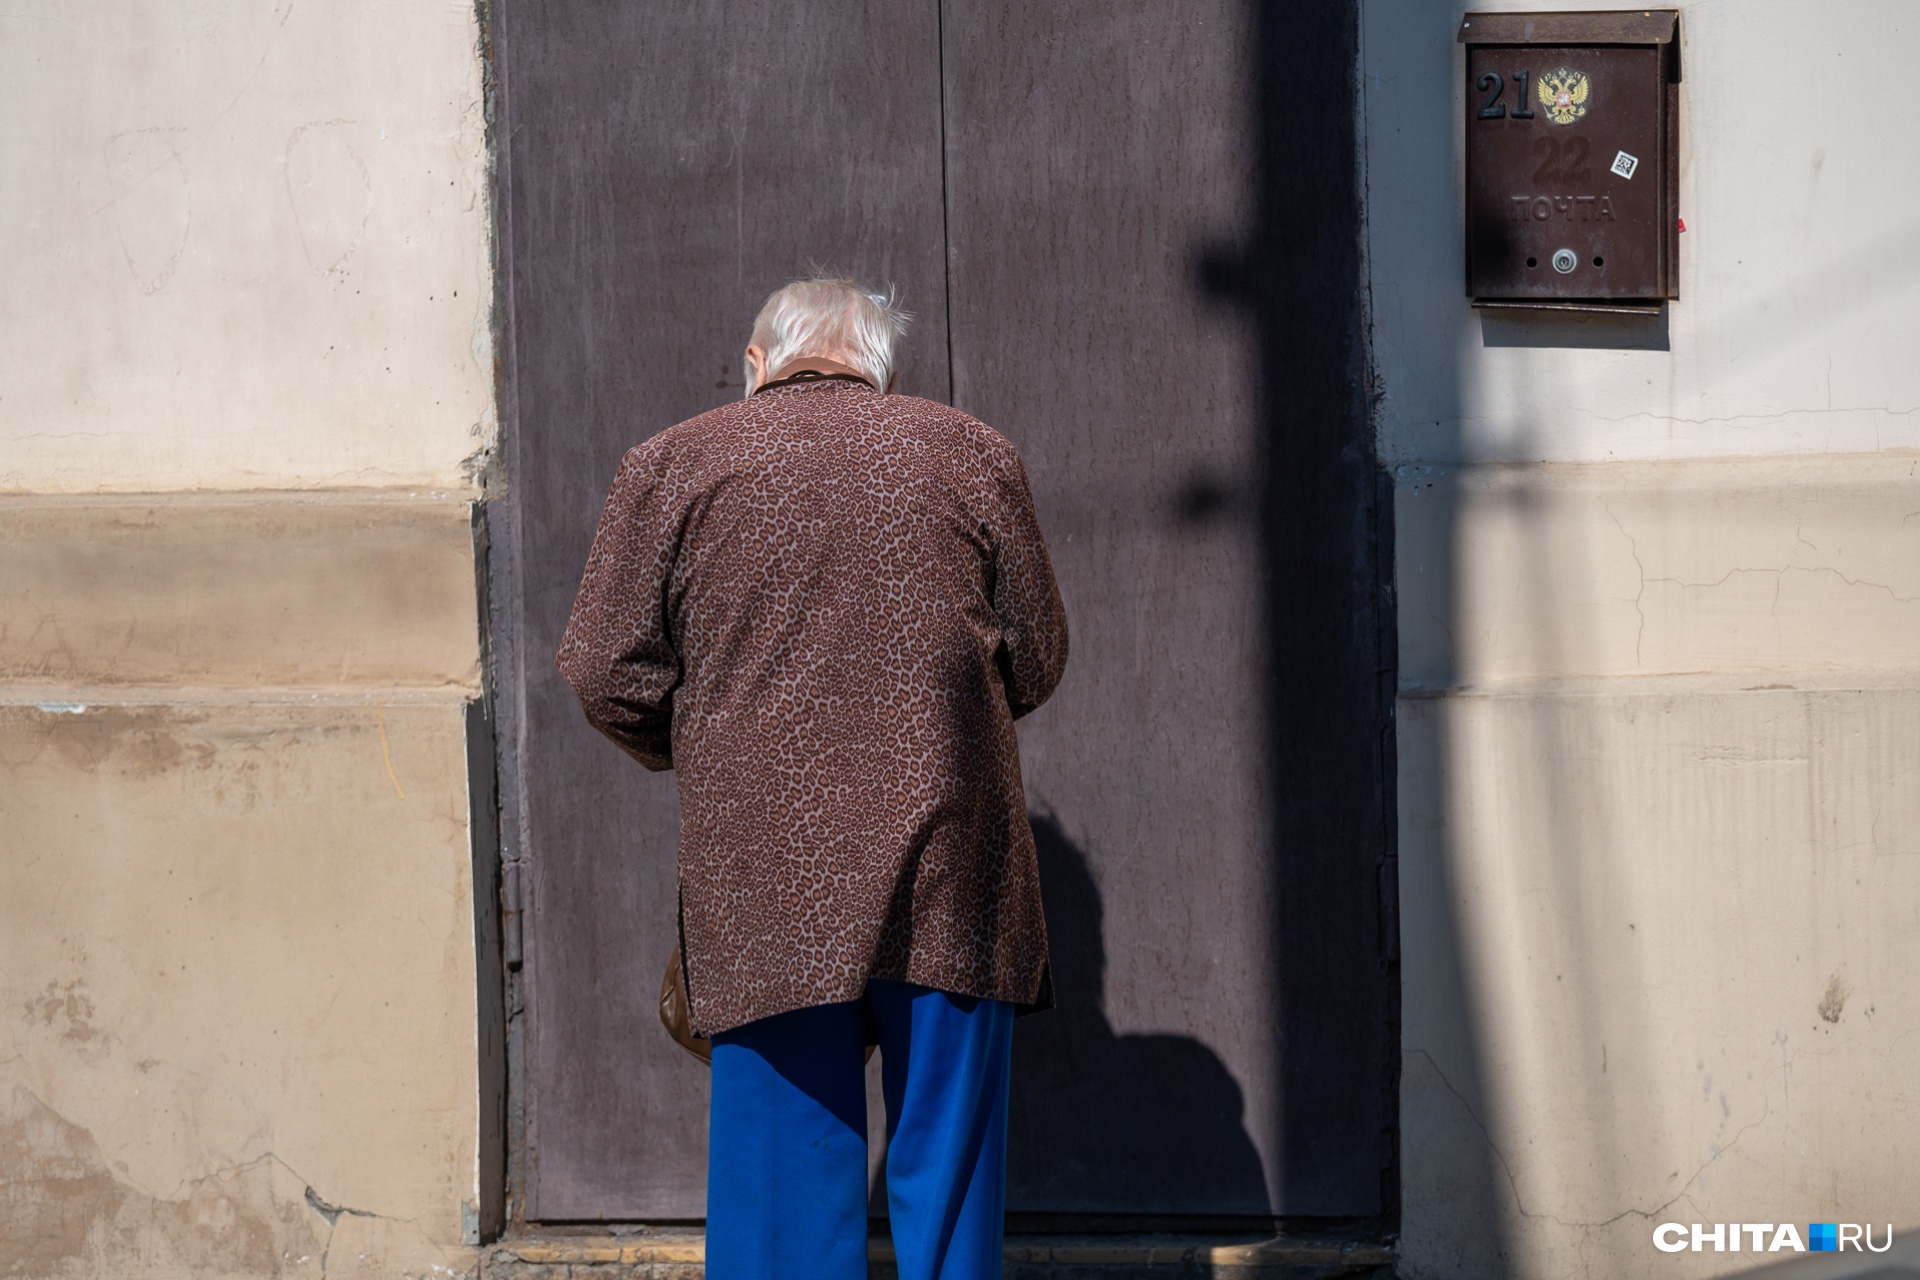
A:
[681,1255]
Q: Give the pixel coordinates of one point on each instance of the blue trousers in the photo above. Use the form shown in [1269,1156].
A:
[787,1138]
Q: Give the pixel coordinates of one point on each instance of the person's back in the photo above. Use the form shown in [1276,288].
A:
[859,605]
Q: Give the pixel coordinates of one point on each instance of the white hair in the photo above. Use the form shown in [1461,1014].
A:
[834,318]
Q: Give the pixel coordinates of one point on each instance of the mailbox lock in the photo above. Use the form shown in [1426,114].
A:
[1564,261]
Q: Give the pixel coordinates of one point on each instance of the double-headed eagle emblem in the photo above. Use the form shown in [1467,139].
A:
[1564,92]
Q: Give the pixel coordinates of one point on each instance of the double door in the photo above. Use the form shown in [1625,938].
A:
[1041,183]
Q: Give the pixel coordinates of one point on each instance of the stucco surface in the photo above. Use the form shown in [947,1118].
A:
[1657,951]
[239,592]
[237,1032]
[1799,268]
[1806,568]
[246,246]
[1657,593]
[246,401]
[1657,879]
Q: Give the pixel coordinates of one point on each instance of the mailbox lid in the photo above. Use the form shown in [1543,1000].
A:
[1543,181]
[1627,26]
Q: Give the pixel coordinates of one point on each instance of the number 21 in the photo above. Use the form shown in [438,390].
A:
[1494,85]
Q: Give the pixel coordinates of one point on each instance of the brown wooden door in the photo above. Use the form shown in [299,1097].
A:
[1046,182]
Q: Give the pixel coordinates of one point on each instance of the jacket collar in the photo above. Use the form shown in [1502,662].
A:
[814,369]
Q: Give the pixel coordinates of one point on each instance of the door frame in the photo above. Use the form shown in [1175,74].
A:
[1289,297]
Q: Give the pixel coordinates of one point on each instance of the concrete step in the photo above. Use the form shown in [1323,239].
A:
[666,1254]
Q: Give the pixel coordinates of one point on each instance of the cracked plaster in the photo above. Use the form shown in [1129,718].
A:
[231,945]
[1559,571]
[1654,955]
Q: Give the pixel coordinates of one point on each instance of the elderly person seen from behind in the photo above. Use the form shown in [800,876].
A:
[824,607]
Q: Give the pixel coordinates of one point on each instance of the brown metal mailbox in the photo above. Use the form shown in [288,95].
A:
[1573,158]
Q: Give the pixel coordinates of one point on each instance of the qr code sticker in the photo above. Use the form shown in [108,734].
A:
[1624,164]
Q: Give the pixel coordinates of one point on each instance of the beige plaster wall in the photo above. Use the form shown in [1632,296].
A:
[246,246]
[236,969]
[1659,888]
[1658,949]
[227,595]
[1659,667]
[1752,571]
[246,406]
[241,1013]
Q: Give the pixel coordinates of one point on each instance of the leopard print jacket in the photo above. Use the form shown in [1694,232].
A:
[824,607]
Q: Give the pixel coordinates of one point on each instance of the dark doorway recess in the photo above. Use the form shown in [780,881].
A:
[1130,235]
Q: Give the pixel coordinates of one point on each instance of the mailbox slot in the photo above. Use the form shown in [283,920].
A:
[1572,159]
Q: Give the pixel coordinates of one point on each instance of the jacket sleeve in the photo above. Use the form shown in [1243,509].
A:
[1026,598]
[616,652]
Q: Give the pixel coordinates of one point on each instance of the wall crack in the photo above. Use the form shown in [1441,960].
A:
[1513,1185]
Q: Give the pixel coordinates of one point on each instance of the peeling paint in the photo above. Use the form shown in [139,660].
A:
[65,1004]
[63,1213]
[216,911]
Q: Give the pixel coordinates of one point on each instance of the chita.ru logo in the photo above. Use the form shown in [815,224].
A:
[1767,1237]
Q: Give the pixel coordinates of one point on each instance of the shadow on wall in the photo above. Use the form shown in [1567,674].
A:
[1093,1108]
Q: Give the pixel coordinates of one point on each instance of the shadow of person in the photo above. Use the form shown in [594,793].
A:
[1146,1126]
